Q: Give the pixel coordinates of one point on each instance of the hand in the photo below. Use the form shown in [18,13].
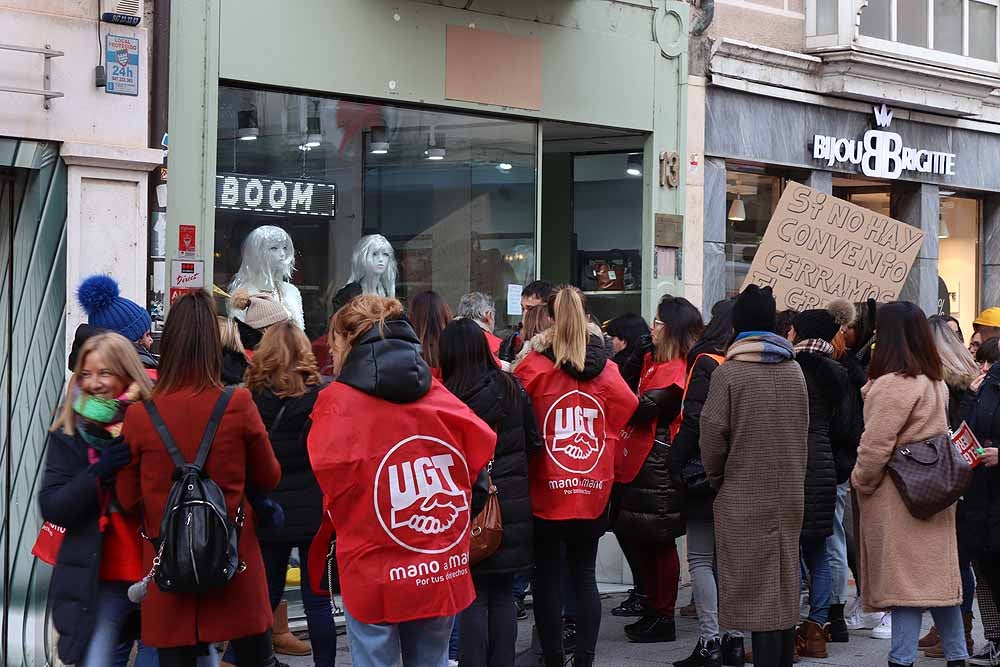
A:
[990,457]
[113,458]
[510,347]
[977,383]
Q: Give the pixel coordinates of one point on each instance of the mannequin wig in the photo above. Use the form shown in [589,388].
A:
[255,268]
[363,267]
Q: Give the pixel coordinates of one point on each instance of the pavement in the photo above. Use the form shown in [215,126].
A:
[613,649]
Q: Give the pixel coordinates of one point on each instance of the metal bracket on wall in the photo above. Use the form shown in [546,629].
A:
[46,90]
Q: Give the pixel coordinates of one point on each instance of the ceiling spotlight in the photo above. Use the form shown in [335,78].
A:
[633,165]
[314,131]
[378,143]
[305,148]
[738,211]
[435,145]
[248,128]
[504,167]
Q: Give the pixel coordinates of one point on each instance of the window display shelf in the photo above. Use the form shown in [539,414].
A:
[599,292]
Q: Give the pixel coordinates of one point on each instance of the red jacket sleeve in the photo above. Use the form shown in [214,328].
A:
[128,489]
[620,402]
[263,469]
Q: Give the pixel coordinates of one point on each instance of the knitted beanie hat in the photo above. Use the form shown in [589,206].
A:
[754,310]
[106,309]
[261,310]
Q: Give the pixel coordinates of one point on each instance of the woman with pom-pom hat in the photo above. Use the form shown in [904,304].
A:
[107,310]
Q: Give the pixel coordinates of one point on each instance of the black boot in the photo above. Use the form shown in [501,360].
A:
[896,664]
[583,660]
[836,626]
[774,649]
[634,605]
[788,657]
[706,654]
[569,635]
[555,661]
[662,629]
[638,626]
[733,653]
[956,663]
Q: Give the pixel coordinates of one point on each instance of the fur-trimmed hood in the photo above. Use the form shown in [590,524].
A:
[597,352]
[957,381]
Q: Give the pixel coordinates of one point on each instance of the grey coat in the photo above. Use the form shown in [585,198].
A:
[754,430]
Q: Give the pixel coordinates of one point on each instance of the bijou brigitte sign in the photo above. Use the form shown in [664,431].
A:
[880,153]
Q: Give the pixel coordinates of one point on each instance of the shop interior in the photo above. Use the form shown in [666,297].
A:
[454,194]
[753,192]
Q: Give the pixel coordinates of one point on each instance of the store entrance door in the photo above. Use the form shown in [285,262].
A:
[32,377]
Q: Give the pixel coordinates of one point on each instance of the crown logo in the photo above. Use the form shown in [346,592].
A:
[883,117]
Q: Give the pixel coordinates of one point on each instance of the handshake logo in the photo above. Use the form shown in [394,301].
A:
[419,496]
[574,432]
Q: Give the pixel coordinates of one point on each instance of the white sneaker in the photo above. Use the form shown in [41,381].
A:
[988,657]
[452,663]
[884,629]
[857,619]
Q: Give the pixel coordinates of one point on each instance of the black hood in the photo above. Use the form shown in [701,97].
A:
[488,398]
[389,366]
[594,362]
[146,357]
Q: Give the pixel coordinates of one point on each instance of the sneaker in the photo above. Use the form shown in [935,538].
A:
[522,611]
[884,629]
[988,657]
[452,663]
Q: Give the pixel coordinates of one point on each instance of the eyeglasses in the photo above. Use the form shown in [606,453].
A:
[658,322]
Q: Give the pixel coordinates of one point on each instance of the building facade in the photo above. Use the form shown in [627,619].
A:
[891,110]
[74,159]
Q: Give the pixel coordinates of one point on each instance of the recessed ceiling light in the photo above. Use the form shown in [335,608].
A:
[505,167]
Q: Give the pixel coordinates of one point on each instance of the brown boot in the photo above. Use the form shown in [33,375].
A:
[930,639]
[284,641]
[810,640]
[937,650]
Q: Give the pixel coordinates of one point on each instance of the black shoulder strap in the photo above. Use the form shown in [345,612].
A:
[161,429]
[277,420]
[213,425]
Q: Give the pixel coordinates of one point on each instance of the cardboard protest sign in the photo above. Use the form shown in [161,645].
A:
[818,248]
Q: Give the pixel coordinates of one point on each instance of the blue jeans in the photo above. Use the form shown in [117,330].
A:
[455,639]
[113,610]
[836,548]
[818,563]
[422,643]
[319,615]
[906,623]
[521,581]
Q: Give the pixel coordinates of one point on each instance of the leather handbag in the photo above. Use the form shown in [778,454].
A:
[487,526]
[930,475]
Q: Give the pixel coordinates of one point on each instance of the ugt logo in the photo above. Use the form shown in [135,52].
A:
[574,432]
[418,500]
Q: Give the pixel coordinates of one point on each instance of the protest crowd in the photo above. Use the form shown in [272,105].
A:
[430,472]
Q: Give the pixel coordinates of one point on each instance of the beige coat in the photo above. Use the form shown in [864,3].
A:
[754,428]
[905,562]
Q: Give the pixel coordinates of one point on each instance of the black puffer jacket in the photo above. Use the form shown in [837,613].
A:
[517,435]
[845,449]
[649,508]
[978,518]
[829,415]
[958,387]
[69,498]
[685,448]
[298,493]
[234,367]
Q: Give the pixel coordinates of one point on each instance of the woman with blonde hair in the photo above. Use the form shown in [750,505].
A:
[385,431]
[581,403]
[87,595]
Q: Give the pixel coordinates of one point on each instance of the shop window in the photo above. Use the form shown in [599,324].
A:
[751,199]
[960,27]
[876,20]
[958,258]
[452,193]
[607,230]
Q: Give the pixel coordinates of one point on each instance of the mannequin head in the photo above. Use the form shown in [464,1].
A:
[373,266]
[268,260]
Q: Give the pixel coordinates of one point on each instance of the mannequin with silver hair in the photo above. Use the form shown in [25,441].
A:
[266,267]
[373,271]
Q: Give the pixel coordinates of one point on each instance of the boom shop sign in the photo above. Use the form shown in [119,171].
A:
[818,248]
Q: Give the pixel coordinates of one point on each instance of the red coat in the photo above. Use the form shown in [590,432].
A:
[241,456]
[494,342]
[580,418]
[397,483]
[637,441]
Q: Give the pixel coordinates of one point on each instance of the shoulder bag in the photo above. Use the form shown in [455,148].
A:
[930,475]
[487,527]
[693,470]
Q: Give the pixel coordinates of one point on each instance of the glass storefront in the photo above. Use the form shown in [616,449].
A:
[310,189]
[751,197]
[452,194]
[959,258]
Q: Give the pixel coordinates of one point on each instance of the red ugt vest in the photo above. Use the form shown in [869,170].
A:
[579,421]
[396,480]
[637,441]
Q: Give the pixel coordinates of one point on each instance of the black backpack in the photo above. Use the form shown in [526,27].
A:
[198,542]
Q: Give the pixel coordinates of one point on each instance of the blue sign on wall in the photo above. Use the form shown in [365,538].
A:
[122,64]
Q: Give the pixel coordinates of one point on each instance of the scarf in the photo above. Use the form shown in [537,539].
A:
[99,420]
[760,347]
[815,346]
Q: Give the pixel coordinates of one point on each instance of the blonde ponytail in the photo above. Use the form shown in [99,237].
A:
[569,342]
